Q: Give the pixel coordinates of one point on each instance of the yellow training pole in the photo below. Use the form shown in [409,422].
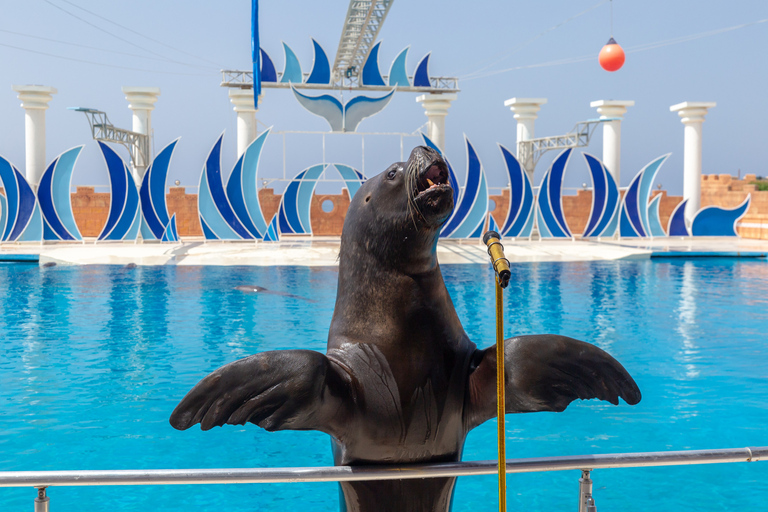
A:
[500,400]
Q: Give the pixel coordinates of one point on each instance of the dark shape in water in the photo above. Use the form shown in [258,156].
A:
[49,264]
[130,265]
[401,382]
[260,290]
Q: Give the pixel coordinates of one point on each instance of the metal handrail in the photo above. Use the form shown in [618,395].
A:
[349,473]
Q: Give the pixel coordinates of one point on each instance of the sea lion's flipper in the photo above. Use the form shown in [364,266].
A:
[284,389]
[546,372]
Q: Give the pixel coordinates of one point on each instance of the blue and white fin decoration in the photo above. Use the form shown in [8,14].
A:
[421,75]
[603,218]
[676,225]
[20,203]
[371,74]
[268,71]
[654,219]
[296,202]
[716,221]
[325,106]
[242,188]
[492,225]
[271,234]
[634,208]
[170,234]
[321,69]
[398,76]
[292,69]
[353,178]
[519,221]
[55,200]
[154,207]
[124,215]
[343,118]
[360,107]
[217,218]
[551,220]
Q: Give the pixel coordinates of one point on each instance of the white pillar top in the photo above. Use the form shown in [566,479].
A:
[436,104]
[35,96]
[242,99]
[692,111]
[141,98]
[612,108]
[525,108]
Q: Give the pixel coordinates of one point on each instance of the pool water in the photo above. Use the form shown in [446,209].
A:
[93,360]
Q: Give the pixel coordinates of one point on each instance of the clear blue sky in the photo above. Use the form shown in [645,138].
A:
[728,68]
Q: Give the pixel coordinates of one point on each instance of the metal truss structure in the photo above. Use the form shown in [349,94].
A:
[244,80]
[533,149]
[102,129]
[361,27]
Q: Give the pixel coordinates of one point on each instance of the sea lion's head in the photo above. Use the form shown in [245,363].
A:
[398,213]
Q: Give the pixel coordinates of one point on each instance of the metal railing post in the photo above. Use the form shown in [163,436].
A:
[586,502]
[42,501]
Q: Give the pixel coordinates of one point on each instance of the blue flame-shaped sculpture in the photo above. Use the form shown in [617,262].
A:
[604,216]
[549,214]
[271,234]
[55,199]
[154,207]
[716,221]
[519,220]
[634,209]
[676,225]
[21,219]
[371,74]
[124,216]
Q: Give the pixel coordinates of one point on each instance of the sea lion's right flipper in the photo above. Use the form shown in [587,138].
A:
[546,372]
[284,389]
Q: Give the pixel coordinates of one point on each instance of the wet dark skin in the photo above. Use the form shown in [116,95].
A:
[401,382]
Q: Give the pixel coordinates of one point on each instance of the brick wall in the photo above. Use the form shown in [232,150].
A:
[185,207]
[90,209]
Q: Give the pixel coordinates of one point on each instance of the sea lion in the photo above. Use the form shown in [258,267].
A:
[401,382]
[261,290]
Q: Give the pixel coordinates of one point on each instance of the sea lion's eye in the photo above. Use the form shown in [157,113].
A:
[391,174]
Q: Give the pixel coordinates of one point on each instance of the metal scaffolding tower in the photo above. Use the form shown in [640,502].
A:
[101,129]
[531,150]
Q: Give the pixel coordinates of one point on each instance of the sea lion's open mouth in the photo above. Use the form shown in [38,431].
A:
[435,176]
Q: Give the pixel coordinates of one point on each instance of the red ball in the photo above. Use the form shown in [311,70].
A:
[611,56]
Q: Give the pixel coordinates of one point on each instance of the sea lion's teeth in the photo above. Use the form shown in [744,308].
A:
[430,182]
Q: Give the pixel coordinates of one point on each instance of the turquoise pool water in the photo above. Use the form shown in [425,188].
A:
[93,360]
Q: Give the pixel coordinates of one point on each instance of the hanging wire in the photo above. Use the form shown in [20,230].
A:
[633,49]
[611,19]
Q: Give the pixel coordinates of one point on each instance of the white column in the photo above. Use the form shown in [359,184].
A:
[612,109]
[692,116]
[34,101]
[141,100]
[436,108]
[526,111]
[242,99]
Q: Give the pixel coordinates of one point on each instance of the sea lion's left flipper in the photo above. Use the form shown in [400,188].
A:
[283,389]
[546,372]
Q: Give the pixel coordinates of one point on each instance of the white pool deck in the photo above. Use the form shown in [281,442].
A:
[324,251]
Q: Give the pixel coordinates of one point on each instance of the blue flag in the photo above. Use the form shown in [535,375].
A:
[256,53]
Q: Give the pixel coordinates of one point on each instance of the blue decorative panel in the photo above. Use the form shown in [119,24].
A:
[603,218]
[34,230]
[371,74]
[397,72]
[124,218]
[452,180]
[492,226]
[55,200]
[360,107]
[473,202]
[352,178]
[421,76]
[242,188]
[3,215]
[296,201]
[630,224]
[325,106]
[521,201]
[654,221]
[11,201]
[676,226]
[268,72]
[212,202]
[716,221]
[170,234]
[152,193]
[292,70]
[649,173]
[550,201]
[271,234]
[20,204]
[321,69]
